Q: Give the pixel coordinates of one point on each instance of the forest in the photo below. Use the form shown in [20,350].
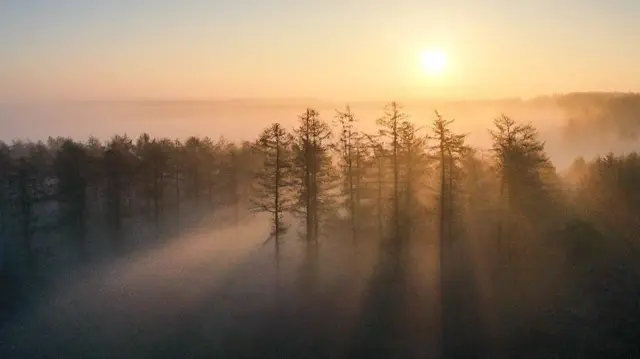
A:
[551,257]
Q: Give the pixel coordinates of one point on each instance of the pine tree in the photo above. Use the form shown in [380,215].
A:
[412,164]
[448,147]
[272,186]
[379,155]
[349,149]
[313,171]
[520,163]
[390,125]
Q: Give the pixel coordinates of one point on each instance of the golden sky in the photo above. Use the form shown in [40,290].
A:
[342,50]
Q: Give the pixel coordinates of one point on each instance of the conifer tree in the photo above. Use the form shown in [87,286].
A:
[390,125]
[350,154]
[313,171]
[272,186]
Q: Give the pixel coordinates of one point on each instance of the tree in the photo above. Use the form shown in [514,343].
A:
[348,146]
[390,129]
[194,152]
[71,169]
[412,165]
[153,165]
[95,171]
[176,164]
[272,186]
[313,171]
[448,147]
[120,165]
[521,165]
[377,164]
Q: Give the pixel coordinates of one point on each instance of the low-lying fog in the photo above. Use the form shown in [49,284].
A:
[218,290]
[570,129]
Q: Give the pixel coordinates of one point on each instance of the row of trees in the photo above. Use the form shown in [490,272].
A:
[401,184]
[540,235]
[397,182]
[67,186]
[387,182]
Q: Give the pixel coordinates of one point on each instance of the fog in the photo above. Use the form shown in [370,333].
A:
[214,290]
[279,244]
[569,129]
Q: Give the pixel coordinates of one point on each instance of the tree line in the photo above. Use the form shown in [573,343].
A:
[392,181]
[403,182]
[411,180]
[69,186]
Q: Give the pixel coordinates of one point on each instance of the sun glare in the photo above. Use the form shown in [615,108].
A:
[434,62]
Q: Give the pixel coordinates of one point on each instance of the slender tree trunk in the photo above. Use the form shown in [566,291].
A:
[443,193]
[450,195]
[442,259]
[314,198]
[235,184]
[356,207]
[156,200]
[352,205]
[177,186]
[379,197]
[277,200]
[309,192]
[396,209]
[408,196]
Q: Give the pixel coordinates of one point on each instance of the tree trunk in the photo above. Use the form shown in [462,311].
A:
[277,199]
[177,185]
[379,197]
[356,207]
[442,257]
[396,209]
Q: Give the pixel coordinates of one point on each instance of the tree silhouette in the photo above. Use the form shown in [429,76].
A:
[448,148]
[520,163]
[390,125]
[71,169]
[153,161]
[272,187]
[312,170]
[377,165]
[412,165]
[350,155]
[120,165]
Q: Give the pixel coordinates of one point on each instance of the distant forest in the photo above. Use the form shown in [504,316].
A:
[398,184]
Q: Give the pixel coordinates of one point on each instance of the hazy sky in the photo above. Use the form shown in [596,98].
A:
[338,49]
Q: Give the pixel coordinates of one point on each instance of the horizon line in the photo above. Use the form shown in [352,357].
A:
[316,99]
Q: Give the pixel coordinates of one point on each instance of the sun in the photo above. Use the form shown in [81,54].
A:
[433,62]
